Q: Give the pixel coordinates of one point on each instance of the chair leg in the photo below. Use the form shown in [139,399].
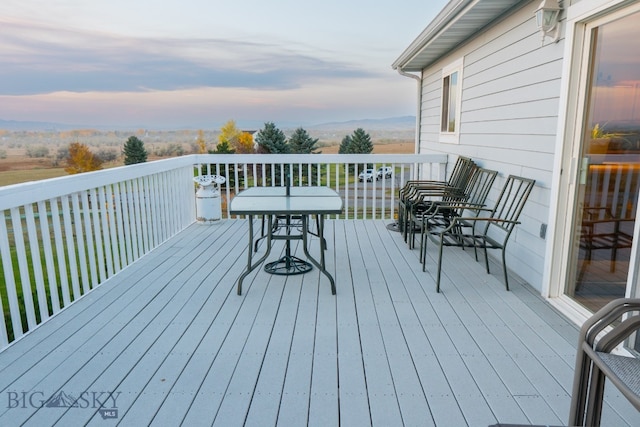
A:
[614,250]
[422,242]
[580,389]
[412,231]
[486,257]
[402,208]
[595,398]
[424,250]
[407,218]
[439,266]
[504,268]
[407,221]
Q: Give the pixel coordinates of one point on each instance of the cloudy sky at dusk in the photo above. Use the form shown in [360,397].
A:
[198,63]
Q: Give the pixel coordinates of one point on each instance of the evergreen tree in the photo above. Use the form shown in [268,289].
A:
[346,146]
[361,142]
[223,147]
[357,143]
[272,140]
[134,151]
[301,142]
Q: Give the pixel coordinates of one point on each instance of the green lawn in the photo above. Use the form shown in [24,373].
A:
[17,177]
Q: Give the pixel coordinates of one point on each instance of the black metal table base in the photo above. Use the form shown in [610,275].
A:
[288,265]
[270,237]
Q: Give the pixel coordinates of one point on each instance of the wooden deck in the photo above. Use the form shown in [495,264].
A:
[168,342]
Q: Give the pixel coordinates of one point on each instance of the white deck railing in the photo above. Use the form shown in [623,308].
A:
[62,237]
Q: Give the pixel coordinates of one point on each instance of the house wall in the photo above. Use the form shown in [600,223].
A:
[509,115]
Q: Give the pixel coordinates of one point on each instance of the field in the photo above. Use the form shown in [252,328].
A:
[404,147]
[18,163]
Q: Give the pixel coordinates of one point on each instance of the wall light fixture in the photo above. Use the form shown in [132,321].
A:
[547,16]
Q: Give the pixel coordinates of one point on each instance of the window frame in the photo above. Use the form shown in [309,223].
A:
[446,103]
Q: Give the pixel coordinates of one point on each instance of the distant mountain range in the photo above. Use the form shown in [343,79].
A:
[392,124]
[20,125]
[404,123]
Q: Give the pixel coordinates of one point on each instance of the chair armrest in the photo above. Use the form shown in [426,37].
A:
[411,185]
[599,335]
[621,371]
[438,206]
[590,211]
[467,206]
[605,317]
[459,219]
[608,220]
[421,195]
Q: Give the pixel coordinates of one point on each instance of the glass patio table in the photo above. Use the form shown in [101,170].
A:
[282,201]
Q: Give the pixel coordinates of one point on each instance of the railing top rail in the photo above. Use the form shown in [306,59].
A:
[321,158]
[35,191]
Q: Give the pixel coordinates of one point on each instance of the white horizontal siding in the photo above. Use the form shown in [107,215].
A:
[531,142]
[509,113]
[524,126]
[529,93]
[517,74]
[490,114]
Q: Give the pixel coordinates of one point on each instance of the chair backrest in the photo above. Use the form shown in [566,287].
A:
[510,203]
[462,173]
[612,191]
[478,189]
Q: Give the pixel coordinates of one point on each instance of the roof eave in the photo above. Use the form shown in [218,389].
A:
[447,15]
[457,22]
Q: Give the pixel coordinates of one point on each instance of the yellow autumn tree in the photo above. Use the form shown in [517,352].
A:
[200,142]
[81,159]
[230,134]
[245,143]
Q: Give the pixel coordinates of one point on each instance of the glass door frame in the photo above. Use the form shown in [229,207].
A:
[573,107]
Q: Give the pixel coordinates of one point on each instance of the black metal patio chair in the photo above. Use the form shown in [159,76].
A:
[599,336]
[417,194]
[441,214]
[498,225]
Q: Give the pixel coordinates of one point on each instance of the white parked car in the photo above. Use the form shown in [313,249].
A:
[367,174]
[384,172]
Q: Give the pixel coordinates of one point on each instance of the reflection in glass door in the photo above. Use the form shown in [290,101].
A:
[610,170]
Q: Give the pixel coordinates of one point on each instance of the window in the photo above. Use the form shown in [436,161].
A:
[451,100]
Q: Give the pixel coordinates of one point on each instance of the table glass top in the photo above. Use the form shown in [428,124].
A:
[303,201]
[294,191]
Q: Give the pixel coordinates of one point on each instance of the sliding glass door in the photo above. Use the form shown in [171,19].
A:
[609,177]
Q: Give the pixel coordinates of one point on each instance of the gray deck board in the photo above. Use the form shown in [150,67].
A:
[173,341]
